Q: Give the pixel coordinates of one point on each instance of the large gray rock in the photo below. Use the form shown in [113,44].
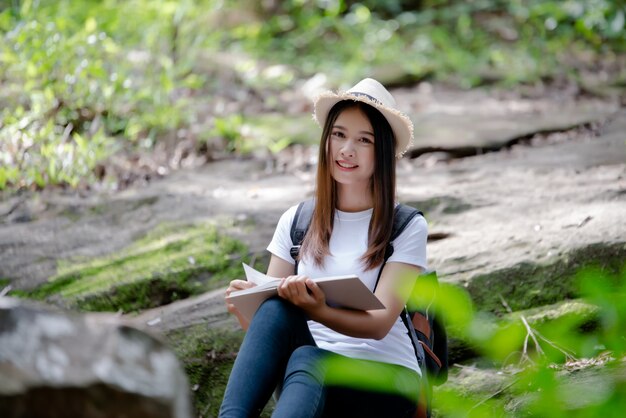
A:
[468,122]
[58,364]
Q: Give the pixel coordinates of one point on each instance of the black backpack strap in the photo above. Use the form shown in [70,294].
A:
[419,350]
[420,355]
[299,226]
[402,215]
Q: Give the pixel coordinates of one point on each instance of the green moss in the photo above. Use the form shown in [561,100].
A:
[475,379]
[99,209]
[208,356]
[172,262]
[447,205]
[553,321]
[588,388]
[529,285]
[71,212]
[269,131]
[577,310]
[475,391]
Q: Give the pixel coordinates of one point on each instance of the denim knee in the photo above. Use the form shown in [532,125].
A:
[280,311]
[307,360]
[275,306]
[302,393]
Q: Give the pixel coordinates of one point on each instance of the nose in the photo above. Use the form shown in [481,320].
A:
[347,149]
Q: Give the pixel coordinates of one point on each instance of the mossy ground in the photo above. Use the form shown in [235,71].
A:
[468,386]
[568,355]
[208,355]
[172,262]
[530,285]
[588,388]
[446,205]
[275,132]
[549,320]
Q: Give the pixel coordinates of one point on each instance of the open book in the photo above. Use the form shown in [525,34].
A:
[341,291]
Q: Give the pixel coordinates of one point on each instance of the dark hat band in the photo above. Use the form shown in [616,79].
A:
[359,94]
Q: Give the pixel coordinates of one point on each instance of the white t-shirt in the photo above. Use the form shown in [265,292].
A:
[348,243]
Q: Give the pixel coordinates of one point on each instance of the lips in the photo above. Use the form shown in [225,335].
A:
[346,165]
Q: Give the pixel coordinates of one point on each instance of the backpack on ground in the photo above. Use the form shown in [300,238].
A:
[427,331]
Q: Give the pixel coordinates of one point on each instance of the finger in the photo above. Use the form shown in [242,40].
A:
[231,287]
[301,288]
[231,307]
[316,292]
[236,285]
[297,287]
[293,288]
[283,289]
[241,284]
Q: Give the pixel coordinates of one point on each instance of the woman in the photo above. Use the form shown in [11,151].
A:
[330,361]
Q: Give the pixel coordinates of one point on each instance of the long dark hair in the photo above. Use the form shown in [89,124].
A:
[382,187]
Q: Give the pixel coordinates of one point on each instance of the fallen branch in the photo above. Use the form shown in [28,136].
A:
[536,336]
[531,333]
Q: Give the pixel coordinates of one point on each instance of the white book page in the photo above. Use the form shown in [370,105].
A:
[256,277]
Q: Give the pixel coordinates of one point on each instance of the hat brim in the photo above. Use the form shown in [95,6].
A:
[400,123]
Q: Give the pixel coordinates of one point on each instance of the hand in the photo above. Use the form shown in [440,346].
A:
[232,287]
[302,292]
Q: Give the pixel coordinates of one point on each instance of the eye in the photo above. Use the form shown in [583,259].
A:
[338,134]
[366,140]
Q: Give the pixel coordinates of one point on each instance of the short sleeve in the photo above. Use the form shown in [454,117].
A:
[280,245]
[410,246]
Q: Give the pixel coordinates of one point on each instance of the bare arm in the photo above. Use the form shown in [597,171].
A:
[279,267]
[392,291]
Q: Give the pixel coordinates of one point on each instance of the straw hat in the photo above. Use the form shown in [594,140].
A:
[374,94]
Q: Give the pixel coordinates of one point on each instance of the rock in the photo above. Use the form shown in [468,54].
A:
[583,388]
[208,309]
[469,122]
[58,364]
[577,313]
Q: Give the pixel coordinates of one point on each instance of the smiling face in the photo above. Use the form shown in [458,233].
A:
[351,151]
[356,170]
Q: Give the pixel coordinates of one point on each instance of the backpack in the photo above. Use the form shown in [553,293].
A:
[427,331]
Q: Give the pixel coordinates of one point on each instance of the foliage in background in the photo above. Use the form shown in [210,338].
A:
[76,77]
[81,80]
[540,366]
[467,41]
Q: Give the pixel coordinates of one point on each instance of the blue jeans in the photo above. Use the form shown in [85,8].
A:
[279,351]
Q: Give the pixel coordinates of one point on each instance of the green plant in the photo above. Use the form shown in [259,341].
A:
[74,69]
[77,81]
[538,365]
